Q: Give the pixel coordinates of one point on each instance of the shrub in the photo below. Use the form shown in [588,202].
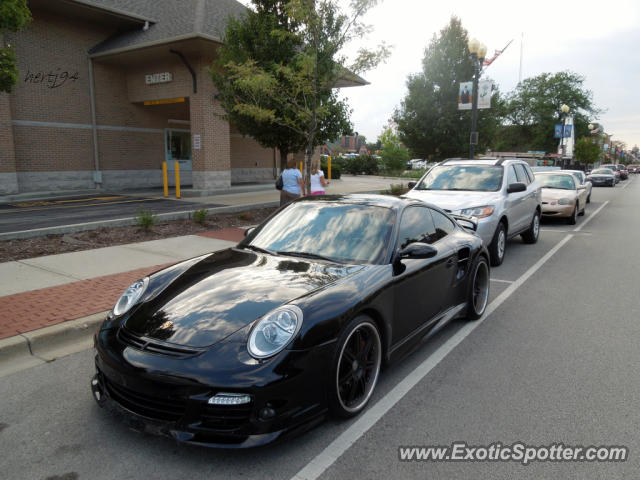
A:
[335,171]
[362,164]
[396,189]
[200,216]
[145,219]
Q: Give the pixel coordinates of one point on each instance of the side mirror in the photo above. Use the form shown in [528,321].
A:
[249,231]
[516,187]
[411,184]
[417,250]
[582,187]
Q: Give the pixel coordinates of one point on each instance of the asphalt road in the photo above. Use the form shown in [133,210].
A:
[555,360]
[28,215]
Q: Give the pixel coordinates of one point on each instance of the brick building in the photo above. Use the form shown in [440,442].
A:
[109,89]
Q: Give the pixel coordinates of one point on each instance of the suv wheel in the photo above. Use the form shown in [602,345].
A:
[498,245]
[531,235]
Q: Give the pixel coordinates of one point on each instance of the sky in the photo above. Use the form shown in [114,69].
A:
[598,40]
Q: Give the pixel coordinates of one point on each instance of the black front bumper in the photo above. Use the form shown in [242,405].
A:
[169,397]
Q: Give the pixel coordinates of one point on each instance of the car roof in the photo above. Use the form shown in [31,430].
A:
[491,161]
[388,201]
[555,172]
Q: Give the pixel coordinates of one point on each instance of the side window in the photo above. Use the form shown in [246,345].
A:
[521,173]
[530,173]
[443,225]
[511,175]
[416,226]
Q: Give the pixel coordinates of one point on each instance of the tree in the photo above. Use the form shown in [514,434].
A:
[533,109]
[14,16]
[394,155]
[587,151]
[428,118]
[296,92]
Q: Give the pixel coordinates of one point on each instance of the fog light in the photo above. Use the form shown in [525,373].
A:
[267,413]
[229,399]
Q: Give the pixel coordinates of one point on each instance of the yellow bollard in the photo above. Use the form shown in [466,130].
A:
[177,179]
[165,181]
[301,171]
[329,167]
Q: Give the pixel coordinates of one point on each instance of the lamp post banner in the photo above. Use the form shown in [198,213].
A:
[484,97]
[465,96]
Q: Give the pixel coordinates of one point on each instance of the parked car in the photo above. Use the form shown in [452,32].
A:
[624,173]
[602,176]
[616,171]
[562,195]
[582,180]
[256,343]
[501,193]
[418,164]
[632,168]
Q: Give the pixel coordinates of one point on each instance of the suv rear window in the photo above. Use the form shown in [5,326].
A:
[475,178]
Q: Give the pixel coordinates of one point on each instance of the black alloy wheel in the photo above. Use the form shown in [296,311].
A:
[478,295]
[356,367]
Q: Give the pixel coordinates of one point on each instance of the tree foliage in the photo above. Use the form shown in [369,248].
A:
[428,119]
[292,94]
[587,151]
[533,109]
[14,16]
[394,155]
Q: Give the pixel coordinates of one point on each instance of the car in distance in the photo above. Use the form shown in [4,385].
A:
[562,196]
[501,193]
[616,171]
[582,180]
[632,168]
[602,176]
[259,342]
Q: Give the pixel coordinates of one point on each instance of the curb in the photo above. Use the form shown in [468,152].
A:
[47,344]
[126,221]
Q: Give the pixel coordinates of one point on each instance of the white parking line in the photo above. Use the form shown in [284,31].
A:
[628,183]
[318,465]
[501,281]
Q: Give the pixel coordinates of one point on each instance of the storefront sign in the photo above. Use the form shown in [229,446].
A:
[163,77]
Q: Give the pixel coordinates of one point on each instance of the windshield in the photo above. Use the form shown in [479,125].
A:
[477,178]
[563,182]
[335,231]
[603,171]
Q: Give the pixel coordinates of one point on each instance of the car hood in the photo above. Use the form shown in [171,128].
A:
[456,200]
[553,194]
[223,292]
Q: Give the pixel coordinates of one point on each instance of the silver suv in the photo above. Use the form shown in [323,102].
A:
[501,193]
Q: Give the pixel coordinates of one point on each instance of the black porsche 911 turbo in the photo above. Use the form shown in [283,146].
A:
[259,342]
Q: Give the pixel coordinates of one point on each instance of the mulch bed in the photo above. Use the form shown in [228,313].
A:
[105,237]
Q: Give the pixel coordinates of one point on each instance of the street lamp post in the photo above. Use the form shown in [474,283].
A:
[478,51]
[565,109]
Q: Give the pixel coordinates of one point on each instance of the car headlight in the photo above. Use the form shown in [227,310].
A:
[478,212]
[130,296]
[274,331]
[564,201]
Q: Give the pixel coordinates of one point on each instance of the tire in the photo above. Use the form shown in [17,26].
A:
[356,367]
[531,235]
[478,289]
[498,245]
[574,216]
